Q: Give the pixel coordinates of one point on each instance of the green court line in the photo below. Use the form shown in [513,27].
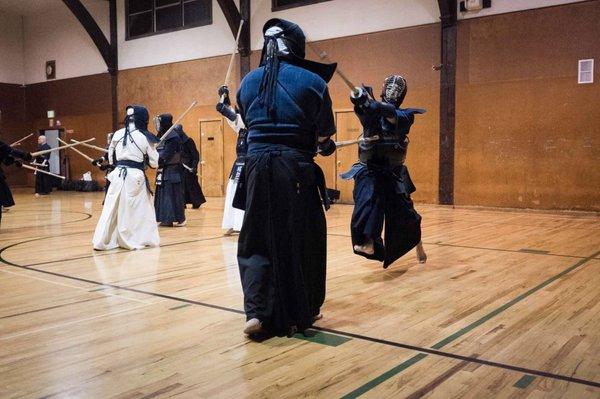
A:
[323,338]
[534,251]
[524,381]
[98,289]
[403,366]
[185,305]
[388,374]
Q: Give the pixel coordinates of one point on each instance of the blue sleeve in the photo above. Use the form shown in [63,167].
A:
[170,149]
[404,118]
[325,119]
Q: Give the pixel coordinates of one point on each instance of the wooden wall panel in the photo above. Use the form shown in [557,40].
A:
[13,127]
[171,88]
[527,134]
[82,105]
[366,58]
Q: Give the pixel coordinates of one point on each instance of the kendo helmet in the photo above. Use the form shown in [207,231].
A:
[290,43]
[394,90]
[162,123]
[138,115]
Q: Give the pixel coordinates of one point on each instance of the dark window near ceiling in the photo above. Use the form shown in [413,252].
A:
[150,17]
[277,5]
[169,17]
[197,12]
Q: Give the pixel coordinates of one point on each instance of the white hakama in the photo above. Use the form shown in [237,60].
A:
[128,219]
[232,217]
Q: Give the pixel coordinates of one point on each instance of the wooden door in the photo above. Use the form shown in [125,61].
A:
[348,128]
[211,157]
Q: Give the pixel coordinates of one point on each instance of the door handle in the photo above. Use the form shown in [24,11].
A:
[339,163]
[202,162]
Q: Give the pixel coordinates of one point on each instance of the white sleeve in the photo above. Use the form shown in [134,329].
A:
[152,155]
[236,125]
[111,149]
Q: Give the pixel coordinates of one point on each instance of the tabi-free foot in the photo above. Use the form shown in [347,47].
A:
[421,255]
[366,248]
[253,326]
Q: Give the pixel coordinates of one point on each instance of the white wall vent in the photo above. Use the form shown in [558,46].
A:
[585,72]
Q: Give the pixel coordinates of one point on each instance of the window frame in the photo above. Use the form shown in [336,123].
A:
[275,7]
[153,11]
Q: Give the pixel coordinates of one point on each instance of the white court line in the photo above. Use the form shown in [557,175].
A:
[77,288]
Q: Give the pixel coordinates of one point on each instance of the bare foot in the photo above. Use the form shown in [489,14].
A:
[421,255]
[366,248]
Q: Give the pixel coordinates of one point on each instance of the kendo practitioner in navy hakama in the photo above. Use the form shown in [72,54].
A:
[169,202]
[43,182]
[382,185]
[9,156]
[285,106]
[189,160]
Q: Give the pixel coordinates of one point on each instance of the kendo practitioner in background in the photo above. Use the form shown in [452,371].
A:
[9,156]
[169,201]
[43,182]
[286,108]
[190,158]
[382,185]
[128,220]
[233,217]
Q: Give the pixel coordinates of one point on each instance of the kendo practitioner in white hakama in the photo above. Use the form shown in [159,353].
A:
[169,201]
[286,108]
[43,182]
[233,217]
[128,219]
[383,185]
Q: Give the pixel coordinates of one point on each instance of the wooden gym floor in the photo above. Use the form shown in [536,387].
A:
[508,305]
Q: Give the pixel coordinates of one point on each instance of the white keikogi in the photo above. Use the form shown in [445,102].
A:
[128,219]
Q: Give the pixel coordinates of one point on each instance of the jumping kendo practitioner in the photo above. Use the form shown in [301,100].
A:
[128,219]
[169,201]
[190,158]
[9,156]
[382,184]
[286,108]
[43,182]
[233,217]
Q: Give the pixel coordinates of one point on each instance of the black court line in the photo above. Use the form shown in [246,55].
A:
[422,350]
[88,216]
[461,357]
[99,253]
[520,251]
